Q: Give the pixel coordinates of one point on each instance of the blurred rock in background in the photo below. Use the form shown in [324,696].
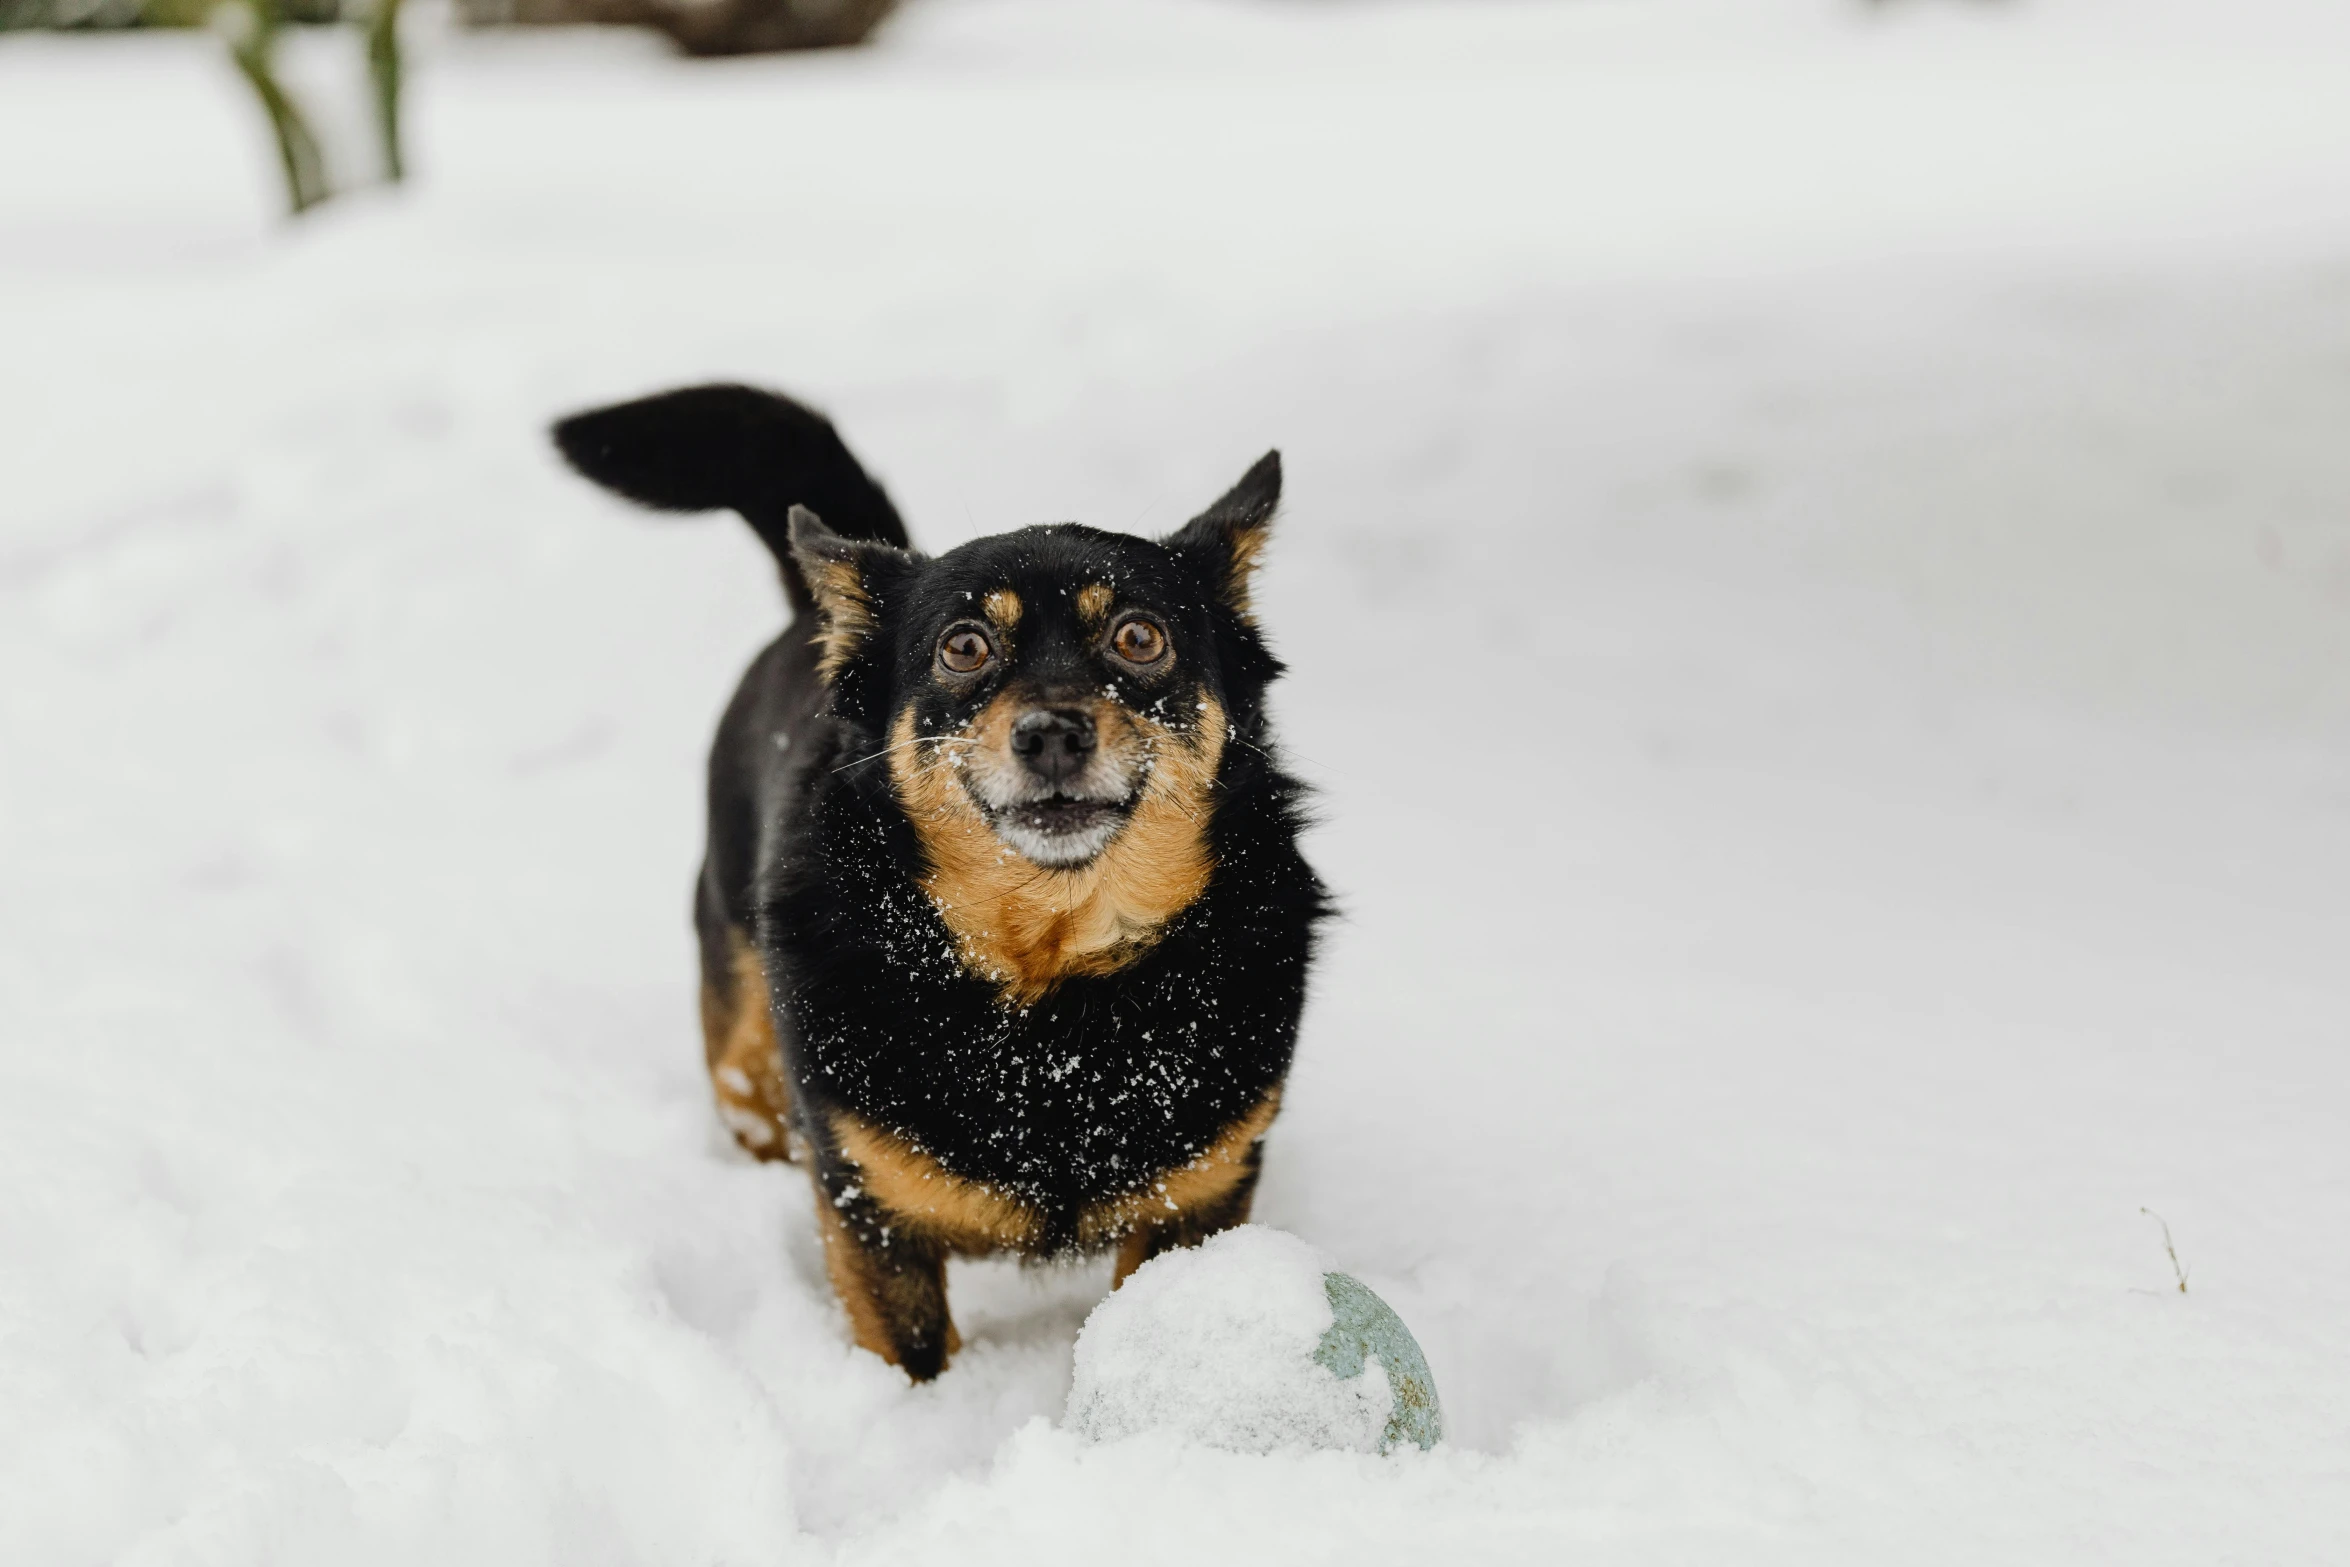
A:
[95,15]
[704,27]
[700,27]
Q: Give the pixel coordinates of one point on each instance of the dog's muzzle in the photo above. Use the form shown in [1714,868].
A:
[1065,800]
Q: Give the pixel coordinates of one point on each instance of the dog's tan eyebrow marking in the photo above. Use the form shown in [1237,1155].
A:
[1093,602]
[1003,607]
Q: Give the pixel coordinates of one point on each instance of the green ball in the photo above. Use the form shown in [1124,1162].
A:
[1367,1328]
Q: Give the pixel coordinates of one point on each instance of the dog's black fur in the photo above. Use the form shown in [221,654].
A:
[890,981]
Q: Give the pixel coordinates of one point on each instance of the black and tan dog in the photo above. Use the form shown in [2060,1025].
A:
[1004,926]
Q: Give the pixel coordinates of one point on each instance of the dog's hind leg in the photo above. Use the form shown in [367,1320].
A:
[739,1045]
[891,1280]
[1192,1202]
[1191,1226]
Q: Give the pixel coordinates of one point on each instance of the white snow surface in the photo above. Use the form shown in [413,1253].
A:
[1217,1343]
[1817,583]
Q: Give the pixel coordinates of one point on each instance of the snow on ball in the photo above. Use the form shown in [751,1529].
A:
[1251,1341]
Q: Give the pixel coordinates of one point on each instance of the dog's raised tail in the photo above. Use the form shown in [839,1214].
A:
[717,448]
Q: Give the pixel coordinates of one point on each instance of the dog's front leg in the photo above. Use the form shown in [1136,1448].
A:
[891,1279]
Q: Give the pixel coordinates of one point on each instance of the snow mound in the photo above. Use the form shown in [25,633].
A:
[1252,1342]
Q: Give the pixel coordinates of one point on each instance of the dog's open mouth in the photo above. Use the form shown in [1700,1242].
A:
[1060,829]
[1063,815]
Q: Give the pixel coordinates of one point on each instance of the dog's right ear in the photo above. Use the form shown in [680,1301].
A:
[848,579]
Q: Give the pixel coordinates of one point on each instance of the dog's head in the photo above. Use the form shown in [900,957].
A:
[1048,693]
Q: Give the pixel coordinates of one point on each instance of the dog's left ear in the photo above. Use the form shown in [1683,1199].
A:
[1230,535]
[848,579]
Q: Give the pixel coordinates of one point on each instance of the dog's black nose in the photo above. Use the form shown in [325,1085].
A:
[1055,742]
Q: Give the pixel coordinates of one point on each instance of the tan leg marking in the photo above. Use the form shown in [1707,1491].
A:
[1133,1252]
[917,1191]
[746,1066]
[895,1296]
[844,1264]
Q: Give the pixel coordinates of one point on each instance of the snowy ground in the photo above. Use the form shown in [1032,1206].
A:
[1818,579]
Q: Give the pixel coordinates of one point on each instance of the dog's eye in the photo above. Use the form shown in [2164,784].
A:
[964,650]
[1139,641]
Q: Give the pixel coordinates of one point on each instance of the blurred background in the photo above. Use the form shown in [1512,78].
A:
[1817,581]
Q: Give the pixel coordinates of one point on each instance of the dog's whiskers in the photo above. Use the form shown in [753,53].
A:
[904,745]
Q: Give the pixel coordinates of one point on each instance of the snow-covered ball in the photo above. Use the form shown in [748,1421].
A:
[1253,1342]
